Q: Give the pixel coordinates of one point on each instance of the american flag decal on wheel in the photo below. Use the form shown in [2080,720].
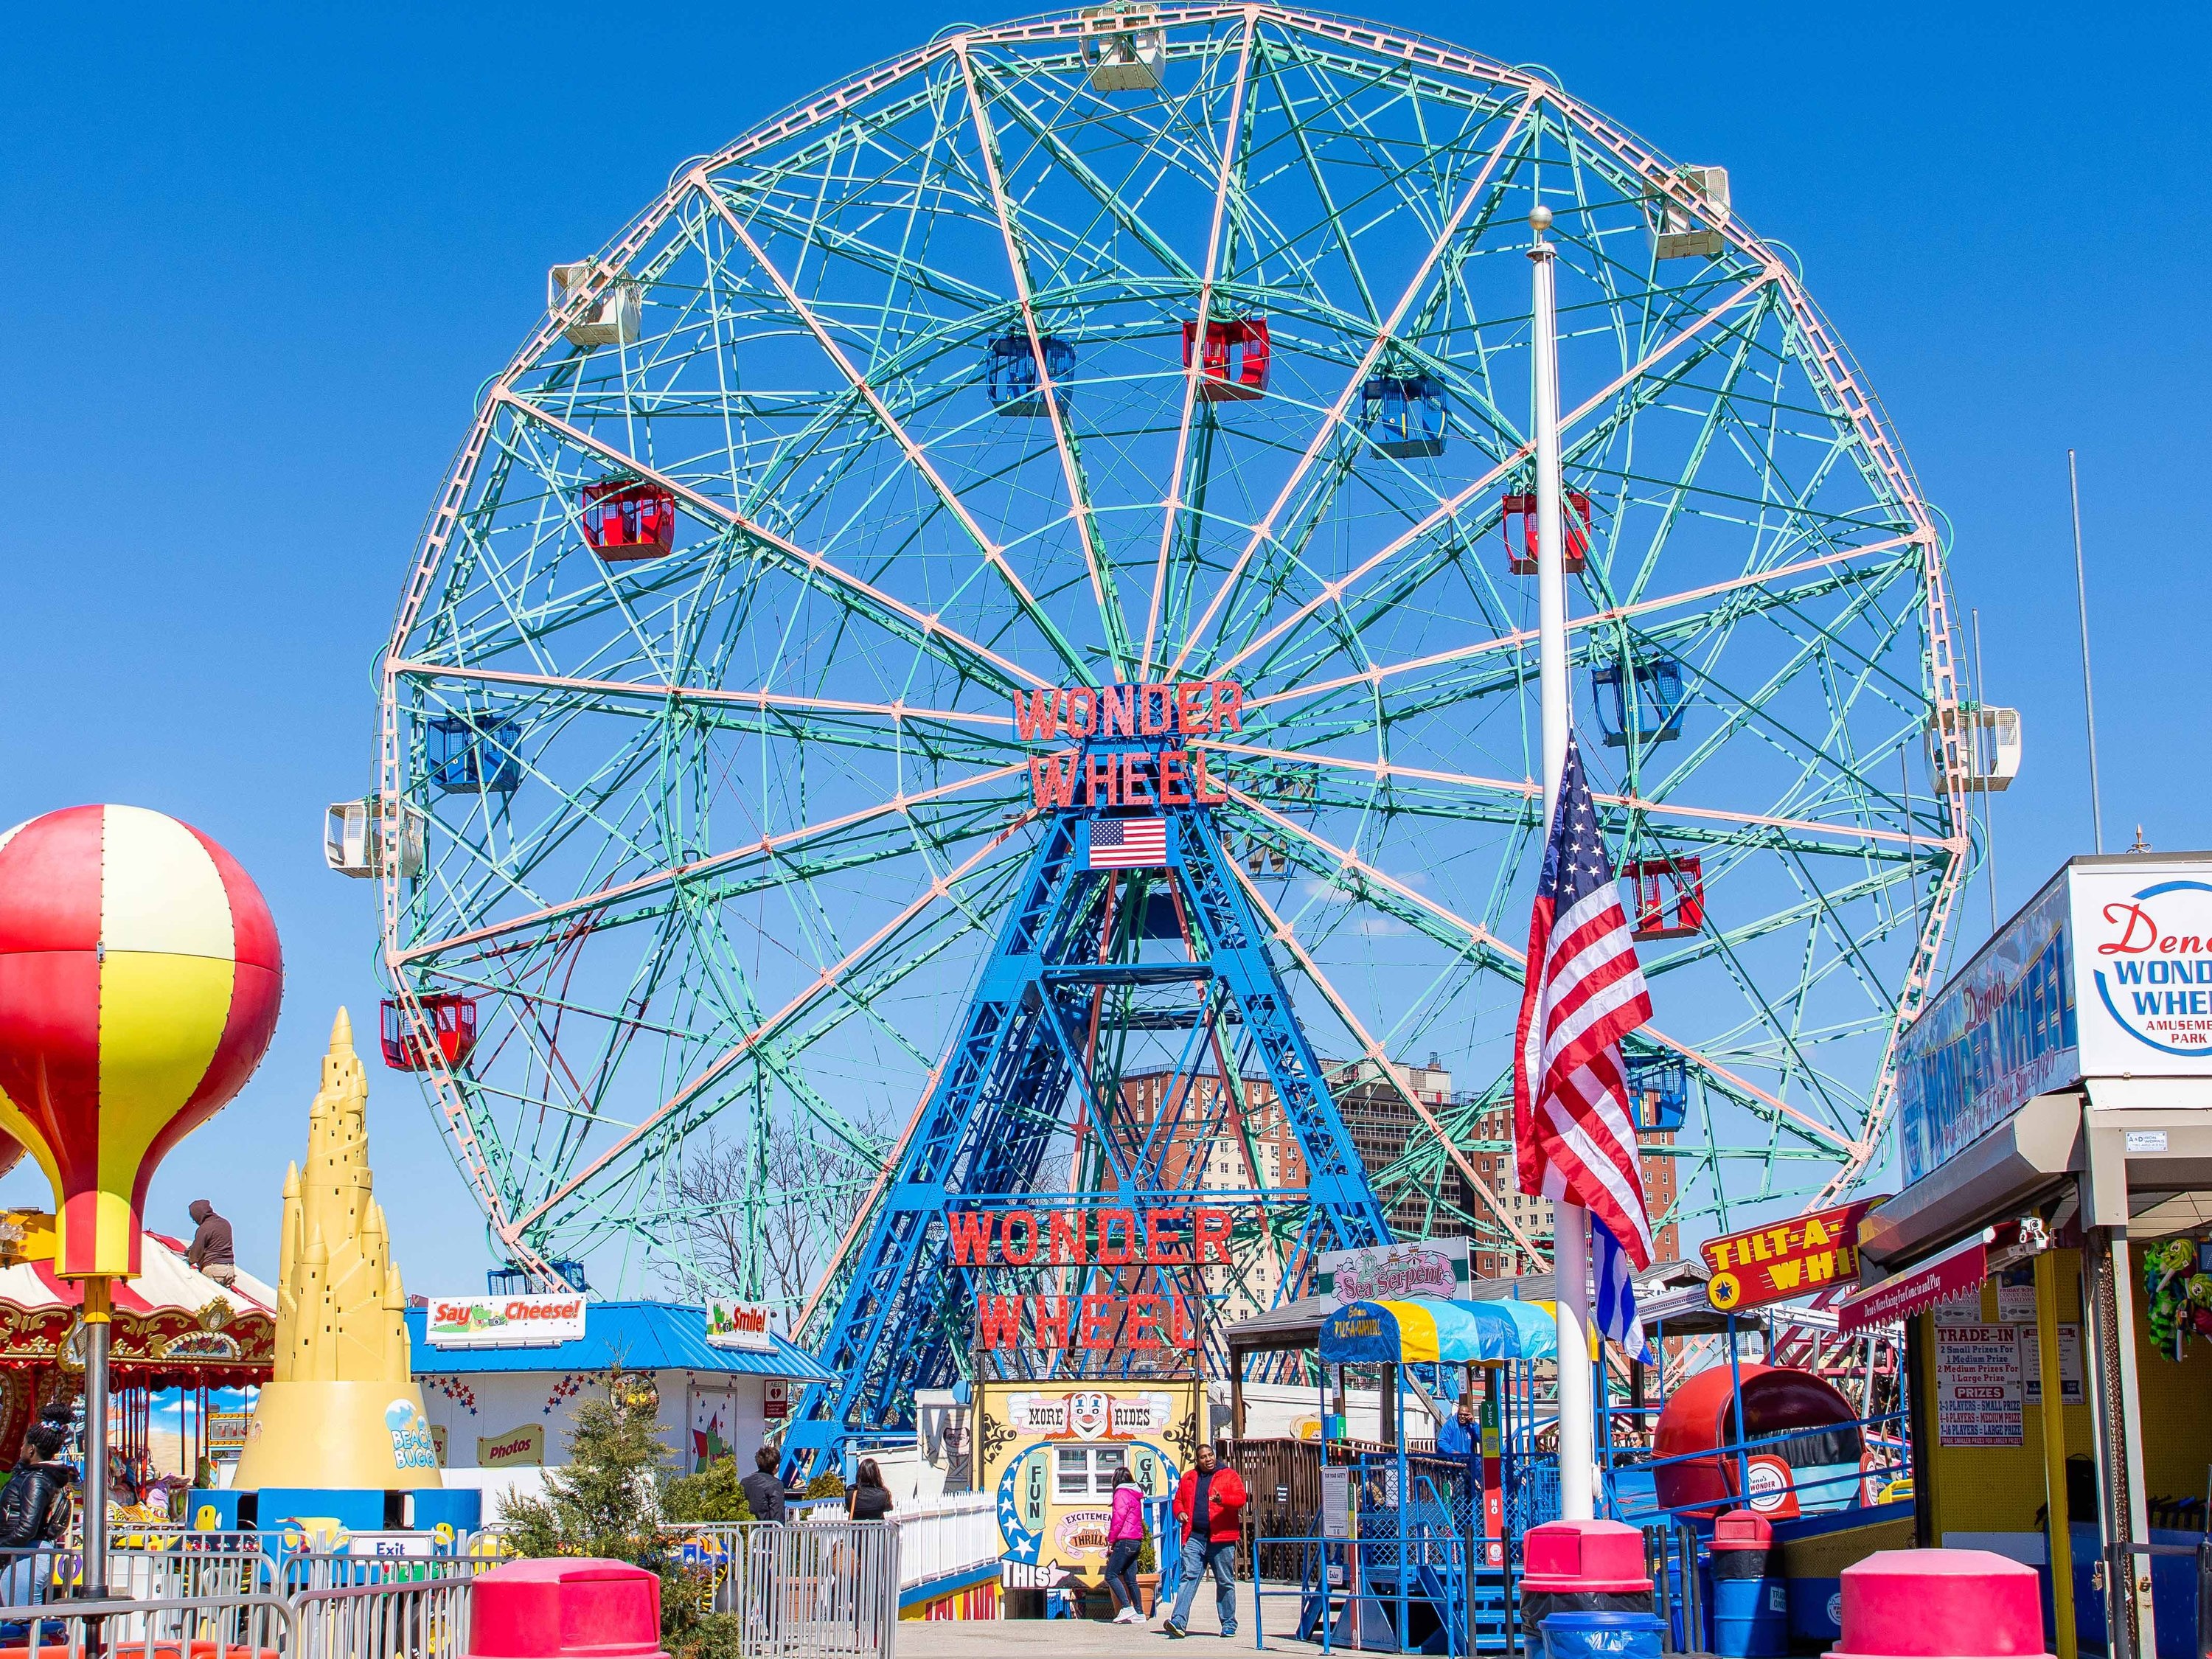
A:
[1129,843]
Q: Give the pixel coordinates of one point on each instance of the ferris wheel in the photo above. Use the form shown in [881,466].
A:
[1185,342]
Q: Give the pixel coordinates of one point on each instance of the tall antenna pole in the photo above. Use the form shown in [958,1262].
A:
[1983,770]
[1570,1222]
[2088,692]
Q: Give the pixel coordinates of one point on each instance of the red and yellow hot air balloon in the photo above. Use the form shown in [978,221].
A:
[139,981]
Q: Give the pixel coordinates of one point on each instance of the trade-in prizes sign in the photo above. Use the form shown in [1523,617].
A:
[139,981]
[1789,1259]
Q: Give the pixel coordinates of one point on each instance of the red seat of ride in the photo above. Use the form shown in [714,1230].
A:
[565,1608]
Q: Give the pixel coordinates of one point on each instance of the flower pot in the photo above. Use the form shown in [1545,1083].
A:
[1148,1593]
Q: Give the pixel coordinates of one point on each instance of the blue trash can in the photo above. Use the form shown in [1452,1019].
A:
[1751,1618]
[1603,1635]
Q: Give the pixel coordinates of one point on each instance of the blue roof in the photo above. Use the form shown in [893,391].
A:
[636,1336]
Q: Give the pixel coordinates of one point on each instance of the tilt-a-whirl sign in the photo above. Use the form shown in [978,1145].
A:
[1131,750]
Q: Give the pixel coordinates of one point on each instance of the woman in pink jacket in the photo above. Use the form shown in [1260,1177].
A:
[1125,1536]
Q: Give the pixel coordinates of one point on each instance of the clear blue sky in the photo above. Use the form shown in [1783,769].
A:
[260,261]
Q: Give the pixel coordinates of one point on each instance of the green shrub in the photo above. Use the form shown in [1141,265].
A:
[831,1484]
[711,1495]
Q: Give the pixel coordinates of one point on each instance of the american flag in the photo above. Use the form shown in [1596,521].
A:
[1571,1129]
[1129,843]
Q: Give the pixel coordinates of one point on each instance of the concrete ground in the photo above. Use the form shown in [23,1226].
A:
[1077,1638]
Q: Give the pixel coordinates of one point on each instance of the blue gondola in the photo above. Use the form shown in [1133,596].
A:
[1658,1091]
[1404,414]
[1010,374]
[473,753]
[1659,695]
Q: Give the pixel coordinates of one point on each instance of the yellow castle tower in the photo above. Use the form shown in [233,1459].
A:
[342,1411]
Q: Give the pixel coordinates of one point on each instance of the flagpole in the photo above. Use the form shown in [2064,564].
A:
[1570,1222]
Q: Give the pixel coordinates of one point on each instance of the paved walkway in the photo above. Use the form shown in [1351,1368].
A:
[1078,1639]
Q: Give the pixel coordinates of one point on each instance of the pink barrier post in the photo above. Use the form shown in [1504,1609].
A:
[565,1608]
[1941,1604]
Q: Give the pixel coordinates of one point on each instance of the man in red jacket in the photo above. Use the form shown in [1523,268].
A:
[1217,1497]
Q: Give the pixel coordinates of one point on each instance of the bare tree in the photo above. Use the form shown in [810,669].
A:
[761,1216]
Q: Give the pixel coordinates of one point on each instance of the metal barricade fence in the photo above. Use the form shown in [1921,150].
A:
[812,1590]
[425,1618]
[208,1627]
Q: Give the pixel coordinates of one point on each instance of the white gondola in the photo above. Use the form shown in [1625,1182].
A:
[352,847]
[1679,233]
[611,319]
[1984,745]
[1121,57]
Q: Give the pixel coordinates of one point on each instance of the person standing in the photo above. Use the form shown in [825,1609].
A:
[1125,1542]
[1458,1438]
[34,1512]
[210,1251]
[763,1492]
[1209,1504]
[870,1500]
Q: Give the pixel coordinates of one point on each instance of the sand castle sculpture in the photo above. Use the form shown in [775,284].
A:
[342,1411]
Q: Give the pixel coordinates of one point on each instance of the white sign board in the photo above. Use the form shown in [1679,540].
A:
[1977,1385]
[745,1325]
[505,1322]
[2143,969]
[1335,1501]
[1436,1267]
[2069,1365]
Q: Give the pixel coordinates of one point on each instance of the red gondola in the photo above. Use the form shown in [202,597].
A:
[1234,363]
[452,1021]
[1669,897]
[625,519]
[1574,521]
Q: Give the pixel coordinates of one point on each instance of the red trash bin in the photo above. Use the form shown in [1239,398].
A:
[1941,1604]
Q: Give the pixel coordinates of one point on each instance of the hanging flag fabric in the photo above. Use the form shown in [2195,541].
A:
[1618,1317]
[1573,1134]
[1129,843]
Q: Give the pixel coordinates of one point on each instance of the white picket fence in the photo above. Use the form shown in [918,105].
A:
[939,1537]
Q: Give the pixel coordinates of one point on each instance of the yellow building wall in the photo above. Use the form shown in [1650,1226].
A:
[2000,1488]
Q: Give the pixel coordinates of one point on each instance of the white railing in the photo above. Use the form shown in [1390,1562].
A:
[941,1536]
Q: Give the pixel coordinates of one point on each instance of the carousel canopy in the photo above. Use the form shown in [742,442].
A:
[173,1326]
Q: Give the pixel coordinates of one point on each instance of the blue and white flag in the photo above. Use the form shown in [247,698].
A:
[1617,1315]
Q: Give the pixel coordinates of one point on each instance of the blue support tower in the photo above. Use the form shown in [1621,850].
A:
[1027,1113]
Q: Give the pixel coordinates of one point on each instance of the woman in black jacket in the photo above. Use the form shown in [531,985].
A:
[870,1500]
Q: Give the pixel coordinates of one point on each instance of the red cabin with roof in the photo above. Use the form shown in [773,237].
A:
[452,1020]
[1233,363]
[627,519]
[1574,523]
[1669,899]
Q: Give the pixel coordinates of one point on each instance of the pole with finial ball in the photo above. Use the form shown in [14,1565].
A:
[140,977]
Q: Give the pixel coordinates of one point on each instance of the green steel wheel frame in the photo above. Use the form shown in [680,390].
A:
[741,818]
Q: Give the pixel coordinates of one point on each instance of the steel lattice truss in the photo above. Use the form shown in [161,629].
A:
[761,830]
